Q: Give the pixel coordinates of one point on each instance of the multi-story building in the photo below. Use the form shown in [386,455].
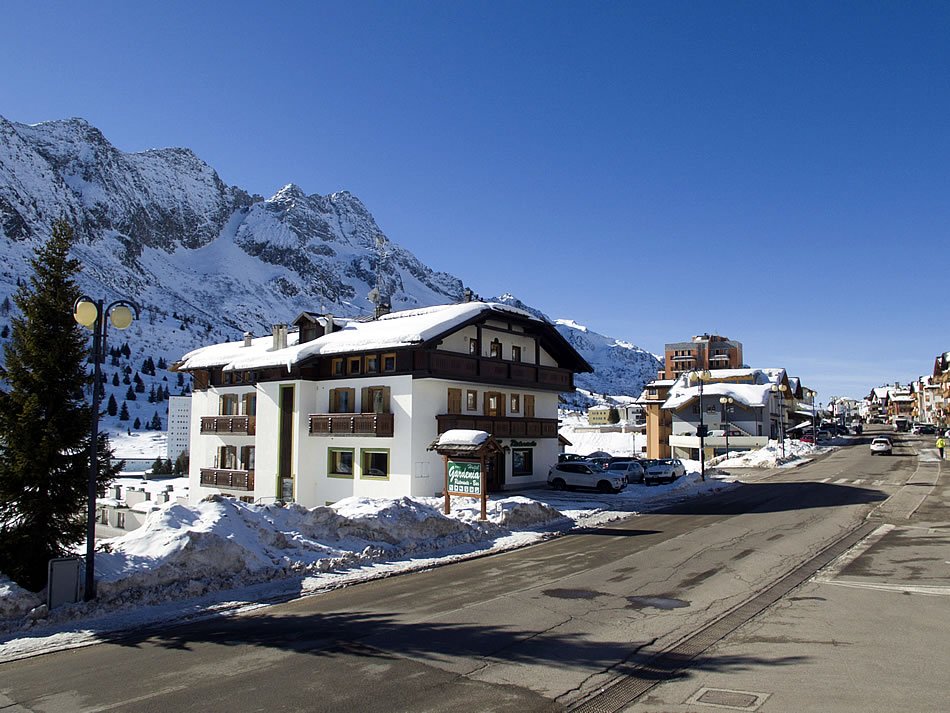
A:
[659,423]
[348,407]
[704,352]
[179,426]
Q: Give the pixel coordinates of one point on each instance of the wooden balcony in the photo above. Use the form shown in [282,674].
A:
[500,426]
[351,424]
[462,367]
[236,425]
[228,479]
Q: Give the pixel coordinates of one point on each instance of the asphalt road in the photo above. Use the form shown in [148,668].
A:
[723,601]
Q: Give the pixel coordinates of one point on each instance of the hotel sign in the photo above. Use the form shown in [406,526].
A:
[464,478]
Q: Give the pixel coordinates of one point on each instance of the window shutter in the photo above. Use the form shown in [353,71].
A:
[528,406]
[386,392]
[455,400]
[366,400]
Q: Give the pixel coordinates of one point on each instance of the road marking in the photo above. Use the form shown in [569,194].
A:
[833,569]
[859,481]
[883,587]
[824,480]
[842,481]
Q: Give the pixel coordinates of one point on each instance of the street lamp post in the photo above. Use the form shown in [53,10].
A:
[780,389]
[814,428]
[726,402]
[90,313]
[701,430]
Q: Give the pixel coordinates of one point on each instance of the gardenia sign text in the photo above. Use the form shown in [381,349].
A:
[464,478]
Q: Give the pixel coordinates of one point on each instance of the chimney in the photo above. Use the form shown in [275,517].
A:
[280,336]
[466,295]
[383,307]
[329,326]
[247,338]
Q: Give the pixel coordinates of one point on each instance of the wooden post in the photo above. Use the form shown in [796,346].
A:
[484,494]
[445,491]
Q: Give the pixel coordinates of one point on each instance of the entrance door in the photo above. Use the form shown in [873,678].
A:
[285,446]
[495,475]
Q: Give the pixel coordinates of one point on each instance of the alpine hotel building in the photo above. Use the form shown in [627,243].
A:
[336,408]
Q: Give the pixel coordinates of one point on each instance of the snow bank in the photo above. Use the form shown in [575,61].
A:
[14,600]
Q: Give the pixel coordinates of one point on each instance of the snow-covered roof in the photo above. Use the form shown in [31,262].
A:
[756,394]
[462,437]
[391,331]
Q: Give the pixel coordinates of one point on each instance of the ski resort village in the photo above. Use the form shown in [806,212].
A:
[430,357]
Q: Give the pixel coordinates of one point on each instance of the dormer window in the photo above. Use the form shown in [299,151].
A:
[494,349]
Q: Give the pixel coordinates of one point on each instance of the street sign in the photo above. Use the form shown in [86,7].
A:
[465,478]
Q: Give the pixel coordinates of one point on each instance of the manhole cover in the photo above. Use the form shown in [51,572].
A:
[731,700]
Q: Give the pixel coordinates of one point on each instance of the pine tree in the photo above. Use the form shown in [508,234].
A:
[44,420]
[5,332]
[137,424]
[115,379]
[124,412]
[130,395]
[113,408]
[151,395]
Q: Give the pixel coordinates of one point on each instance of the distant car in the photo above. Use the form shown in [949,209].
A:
[658,471]
[807,438]
[923,428]
[631,470]
[679,470]
[579,474]
[881,445]
[600,461]
[569,457]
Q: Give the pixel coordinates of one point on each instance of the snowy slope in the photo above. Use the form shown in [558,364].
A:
[207,261]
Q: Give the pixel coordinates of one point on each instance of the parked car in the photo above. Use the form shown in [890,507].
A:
[923,428]
[631,470]
[657,471]
[569,457]
[807,438]
[600,461]
[881,445]
[579,474]
[679,470]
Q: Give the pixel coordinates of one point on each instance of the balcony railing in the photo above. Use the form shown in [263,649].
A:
[351,424]
[229,479]
[500,426]
[451,365]
[237,425]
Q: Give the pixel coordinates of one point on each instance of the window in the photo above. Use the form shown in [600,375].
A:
[120,520]
[515,403]
[247,458]
[454,401]
[528,406]
[336,367]
[372,364]
[522,461]
[375,399]
[342,400]
[340,462]
[494,404]
[516,353]
[389,362]
[473,347]
[250,404]
[471,400]
[229,405]
[494,349]
[353,365]
[227,457]
[374,463]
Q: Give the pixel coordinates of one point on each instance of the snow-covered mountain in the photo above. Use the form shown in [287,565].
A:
[207,261]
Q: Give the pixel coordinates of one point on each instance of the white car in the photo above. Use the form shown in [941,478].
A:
[658,471]
[580,474]
[881,445]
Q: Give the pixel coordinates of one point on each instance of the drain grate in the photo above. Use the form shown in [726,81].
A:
[732,700]
[668,663]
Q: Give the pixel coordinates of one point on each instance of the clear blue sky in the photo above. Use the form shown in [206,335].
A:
[774,172]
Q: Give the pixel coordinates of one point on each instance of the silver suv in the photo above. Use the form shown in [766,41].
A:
[631,470]
[579,474]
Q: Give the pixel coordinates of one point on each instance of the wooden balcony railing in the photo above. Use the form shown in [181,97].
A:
[351,424]
[451,365]
[500,426]
[237,425]
[230,479]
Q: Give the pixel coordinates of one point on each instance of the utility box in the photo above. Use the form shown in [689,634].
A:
[64,581]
